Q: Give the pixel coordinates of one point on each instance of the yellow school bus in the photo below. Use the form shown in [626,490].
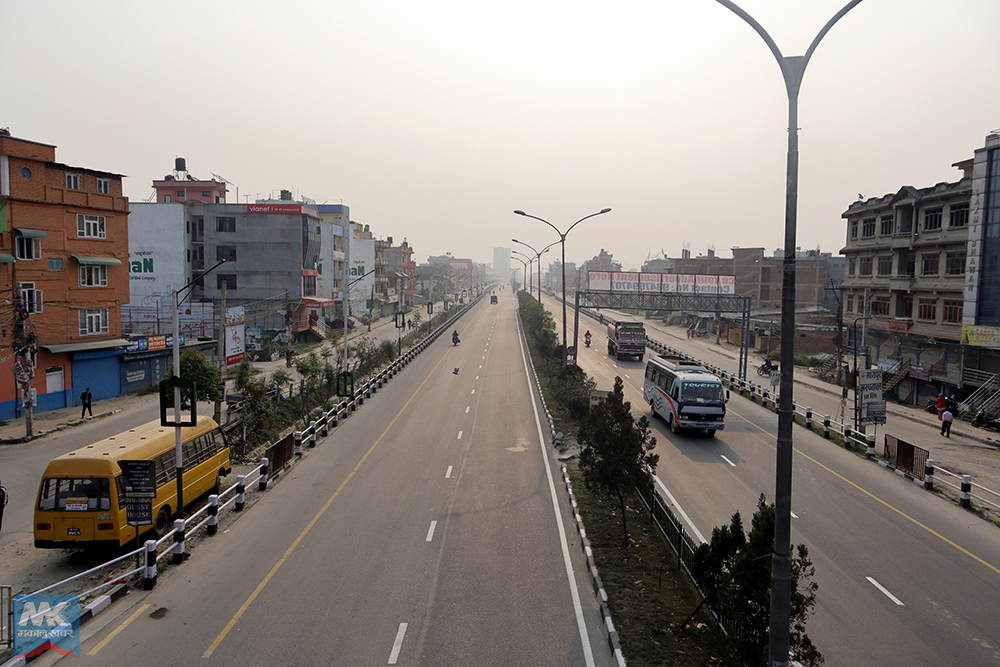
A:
[81,500]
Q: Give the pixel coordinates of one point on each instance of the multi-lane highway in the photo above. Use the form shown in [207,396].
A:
[427,529]
[905,577]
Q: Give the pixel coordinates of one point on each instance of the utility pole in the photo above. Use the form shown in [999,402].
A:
[24,366]
[221,351]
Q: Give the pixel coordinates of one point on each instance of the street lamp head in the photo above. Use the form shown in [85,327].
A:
[520,212]
[515,240]
[605,210]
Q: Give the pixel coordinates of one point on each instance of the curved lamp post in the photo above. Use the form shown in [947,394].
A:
[562,239]
[538,256]
[792,70]
[857,376]
[530,260]
[523,263]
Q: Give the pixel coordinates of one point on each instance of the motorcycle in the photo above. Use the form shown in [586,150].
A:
[765,369]
[701,333]
[982,420]
[454,339]
[586,341]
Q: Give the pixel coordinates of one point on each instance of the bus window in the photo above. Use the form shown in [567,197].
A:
[77,494]
[702,392]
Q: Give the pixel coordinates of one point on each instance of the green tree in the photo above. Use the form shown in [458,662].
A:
[616,457]
[206,376]
[734,572]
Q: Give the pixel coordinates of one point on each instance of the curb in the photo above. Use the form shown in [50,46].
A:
[55,429]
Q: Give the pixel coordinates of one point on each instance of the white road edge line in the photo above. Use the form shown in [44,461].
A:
[687,519]
[728,461]
[887,593]
[581,624]
[430,531]
[447,474]
[398,644]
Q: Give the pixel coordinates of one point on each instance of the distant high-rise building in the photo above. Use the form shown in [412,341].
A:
[501,264]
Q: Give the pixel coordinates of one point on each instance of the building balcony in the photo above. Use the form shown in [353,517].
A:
[903,283]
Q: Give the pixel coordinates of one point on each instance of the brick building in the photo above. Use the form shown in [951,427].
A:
[64,253]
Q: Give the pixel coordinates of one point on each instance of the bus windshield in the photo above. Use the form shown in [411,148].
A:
[702,392]
[75,494]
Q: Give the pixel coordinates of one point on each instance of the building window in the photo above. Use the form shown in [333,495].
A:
[959,215]
[104,186]
[225,253]
[927,309]
[932,219]
[952,311]
[929,264]
[55,263]
[909,268]
[888,225]
[885,265]
[206,193]
[93,276]
[954,263]
[73,181]
[29,297]
[93,321]
[865,266]
[90,226]
[880,306]
[849,307]
[868,228]
[854,229]
[851,265]
[28,248]
[180,194]
[308,285]
[227,224]
[227,279]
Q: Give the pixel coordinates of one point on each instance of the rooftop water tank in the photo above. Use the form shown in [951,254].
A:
[180,164]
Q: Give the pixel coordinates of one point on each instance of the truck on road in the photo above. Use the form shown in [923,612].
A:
[626,339]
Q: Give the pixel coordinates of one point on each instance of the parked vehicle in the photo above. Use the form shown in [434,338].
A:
[982,420]
[626,339]
[685,394]
[338,323]
[81,500]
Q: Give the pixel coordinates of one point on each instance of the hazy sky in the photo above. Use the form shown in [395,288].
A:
[435,119]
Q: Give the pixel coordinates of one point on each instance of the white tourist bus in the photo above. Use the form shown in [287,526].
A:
[685,394]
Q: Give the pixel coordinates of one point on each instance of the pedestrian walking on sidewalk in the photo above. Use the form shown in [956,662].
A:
[3,503]
[946,419]
[86,397]
[940,403]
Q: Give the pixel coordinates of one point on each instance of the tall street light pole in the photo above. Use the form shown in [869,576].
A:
[530,260]
[792,70]
[524,264]
[562,239]
[538,256]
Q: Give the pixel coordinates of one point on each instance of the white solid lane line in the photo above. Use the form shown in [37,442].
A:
[430,531]
[447,474]
[687,519]
[398,644]
[887,593]
[728,461]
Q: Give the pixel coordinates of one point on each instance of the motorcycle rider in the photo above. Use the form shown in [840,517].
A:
[586,338]
[454,337]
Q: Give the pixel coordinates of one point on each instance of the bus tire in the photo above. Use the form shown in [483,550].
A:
[217,489]
[641,356]
[711,432]
[672,424]
[162,524]
[652,408]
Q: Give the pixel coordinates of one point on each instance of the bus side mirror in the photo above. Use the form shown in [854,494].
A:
[727,396]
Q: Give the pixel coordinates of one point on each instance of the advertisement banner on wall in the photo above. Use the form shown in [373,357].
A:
[599,280]
[649,282]
[981,336]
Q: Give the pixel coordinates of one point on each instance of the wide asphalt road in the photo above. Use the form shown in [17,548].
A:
[905,577]
[429,528]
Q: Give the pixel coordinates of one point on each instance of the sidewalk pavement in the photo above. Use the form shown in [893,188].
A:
[50,421]
[915,413]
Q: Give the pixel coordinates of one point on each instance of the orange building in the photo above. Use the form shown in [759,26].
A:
[64,266]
